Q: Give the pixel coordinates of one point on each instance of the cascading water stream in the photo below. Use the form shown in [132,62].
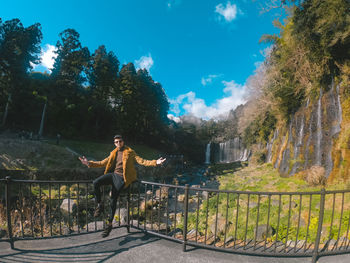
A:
[308,143]
[318,160]
[207,154]
[298,144]
[232,151]
[269,146]
[340,118]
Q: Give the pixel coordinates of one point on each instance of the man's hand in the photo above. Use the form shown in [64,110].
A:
[84,161]
[161,160]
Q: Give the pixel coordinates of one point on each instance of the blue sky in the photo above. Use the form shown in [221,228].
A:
[201,51]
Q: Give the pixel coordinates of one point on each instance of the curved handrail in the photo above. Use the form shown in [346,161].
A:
[225,220]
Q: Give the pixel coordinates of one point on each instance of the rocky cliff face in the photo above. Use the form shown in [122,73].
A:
[317,135]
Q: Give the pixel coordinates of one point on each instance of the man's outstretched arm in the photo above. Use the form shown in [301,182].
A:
[145,162]
[89,164]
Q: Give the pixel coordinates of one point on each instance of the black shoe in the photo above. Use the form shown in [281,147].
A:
[107,230]
[98,210]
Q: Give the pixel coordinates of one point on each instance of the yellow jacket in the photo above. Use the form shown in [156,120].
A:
[129,158]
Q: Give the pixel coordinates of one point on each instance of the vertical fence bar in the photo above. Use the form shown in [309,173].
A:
[332,219]
[185,218]
[289,211]
[138,205]
[206,220]
[226,223]
[86,207]
[152,208]
[159,205]
[31,209]
[167,211]
[257,222]
[319,228]
[246,223]
[308,222]
[59,208]
[8,210]
[340,220]
[50,210]
[78,193]
[216,218]
[69,226]
[347,232]
[40,214]
[144,224]
[236,225]
[278,220]
[197,219]
[21,197]
[297,236]
[268,221]
[175,208]
[128,210]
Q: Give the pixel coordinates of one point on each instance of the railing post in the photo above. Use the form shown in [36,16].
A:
[319,228]
[185,218]
[8,210]
[128,210]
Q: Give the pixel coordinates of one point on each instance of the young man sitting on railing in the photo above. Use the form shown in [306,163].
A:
[120,172]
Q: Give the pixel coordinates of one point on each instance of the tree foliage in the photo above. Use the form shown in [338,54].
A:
[87,96]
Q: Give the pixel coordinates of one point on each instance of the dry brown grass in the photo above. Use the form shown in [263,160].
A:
[315,176]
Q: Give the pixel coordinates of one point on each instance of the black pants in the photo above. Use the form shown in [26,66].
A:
[117,183]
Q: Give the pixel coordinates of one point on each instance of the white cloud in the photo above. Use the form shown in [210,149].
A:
[174,118]
[234,96]
[47,57]
[145,62]
[209,79]
[229,13]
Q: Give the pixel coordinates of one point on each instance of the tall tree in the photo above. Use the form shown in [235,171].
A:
[19,50]
[68,77]
[153,108]
[130,98]
[104,91]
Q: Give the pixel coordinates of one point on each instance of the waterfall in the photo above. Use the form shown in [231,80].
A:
[232,151]
[299,142]
[269,146]
[338,110]
[207,154]
[340,118]
[297,145]
[319,130]
[307,102]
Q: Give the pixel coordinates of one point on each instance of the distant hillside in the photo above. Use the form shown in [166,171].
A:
[46,160]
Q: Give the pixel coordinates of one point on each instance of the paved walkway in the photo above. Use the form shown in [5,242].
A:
[135,247]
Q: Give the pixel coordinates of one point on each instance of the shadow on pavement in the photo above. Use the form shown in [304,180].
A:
[99,251]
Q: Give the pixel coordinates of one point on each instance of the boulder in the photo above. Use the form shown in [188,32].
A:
[122,216]
[92,227]
[263,231]
[68,205]
[219,225]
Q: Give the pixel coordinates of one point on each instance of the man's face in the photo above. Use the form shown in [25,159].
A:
[119,143]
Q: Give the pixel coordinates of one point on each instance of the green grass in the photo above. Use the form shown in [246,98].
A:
[265,178]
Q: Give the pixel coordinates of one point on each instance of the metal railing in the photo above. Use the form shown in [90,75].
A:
[283,224]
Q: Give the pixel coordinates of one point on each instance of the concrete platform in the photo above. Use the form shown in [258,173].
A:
[135,247]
